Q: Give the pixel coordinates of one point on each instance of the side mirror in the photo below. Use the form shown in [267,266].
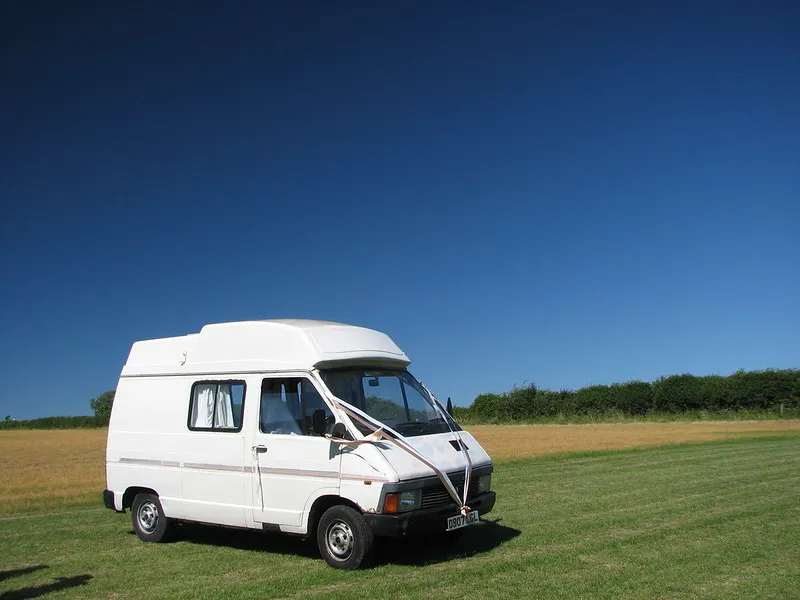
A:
[318,422]
[340,431]
[449,406]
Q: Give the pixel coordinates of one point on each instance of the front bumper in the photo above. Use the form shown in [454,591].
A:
[420,522]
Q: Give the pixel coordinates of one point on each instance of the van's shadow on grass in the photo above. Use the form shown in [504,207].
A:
[432,549]
[243,539]
[35,591]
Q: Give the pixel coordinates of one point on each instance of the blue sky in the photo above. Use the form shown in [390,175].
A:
[562,193]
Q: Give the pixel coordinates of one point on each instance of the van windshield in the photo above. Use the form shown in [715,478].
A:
[393,397]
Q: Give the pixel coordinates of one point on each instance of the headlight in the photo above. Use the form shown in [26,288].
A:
[484,483]
[410,500]
[395,502]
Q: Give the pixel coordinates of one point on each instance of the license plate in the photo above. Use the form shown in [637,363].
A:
[460,521]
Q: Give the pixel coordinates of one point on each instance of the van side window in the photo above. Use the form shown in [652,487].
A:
[216,406]
[287,406]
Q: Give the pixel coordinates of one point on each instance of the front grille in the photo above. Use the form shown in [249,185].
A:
[436,494]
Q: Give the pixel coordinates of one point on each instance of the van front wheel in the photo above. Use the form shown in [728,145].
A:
[344,538]
[149,521]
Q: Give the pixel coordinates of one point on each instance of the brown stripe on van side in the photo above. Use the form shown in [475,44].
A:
[321,474]
[246,469]
[149,462]
[213,467]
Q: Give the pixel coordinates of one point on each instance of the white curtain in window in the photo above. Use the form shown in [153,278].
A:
[224,416]
[203,405]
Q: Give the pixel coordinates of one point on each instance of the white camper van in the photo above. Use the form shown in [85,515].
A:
[303,427]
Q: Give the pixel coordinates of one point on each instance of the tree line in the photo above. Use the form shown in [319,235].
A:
[754,391]
[759,392]
[101,406]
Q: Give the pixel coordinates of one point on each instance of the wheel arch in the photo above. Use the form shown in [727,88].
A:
[132,492]
[323,503]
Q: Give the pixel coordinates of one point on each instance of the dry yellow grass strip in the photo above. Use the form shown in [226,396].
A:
[42,471]
[45,470]
[505,442]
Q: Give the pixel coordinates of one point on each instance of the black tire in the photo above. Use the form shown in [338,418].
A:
[344,538]
[148,518]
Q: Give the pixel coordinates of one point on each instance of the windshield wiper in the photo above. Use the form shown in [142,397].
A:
[435,425]
[409,425]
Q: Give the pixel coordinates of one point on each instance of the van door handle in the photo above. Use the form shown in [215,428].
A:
[260,448]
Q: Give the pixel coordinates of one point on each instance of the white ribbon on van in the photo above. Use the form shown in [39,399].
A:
[381,432]
[454,429]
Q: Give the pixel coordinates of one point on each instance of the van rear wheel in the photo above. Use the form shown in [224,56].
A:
[148,518]
[344,538]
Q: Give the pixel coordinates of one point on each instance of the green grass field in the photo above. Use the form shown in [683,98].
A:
[711,520]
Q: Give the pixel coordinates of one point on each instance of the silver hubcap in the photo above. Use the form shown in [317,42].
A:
[148,517]
[339,539]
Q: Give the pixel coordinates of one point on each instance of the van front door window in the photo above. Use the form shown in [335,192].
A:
[288,405]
